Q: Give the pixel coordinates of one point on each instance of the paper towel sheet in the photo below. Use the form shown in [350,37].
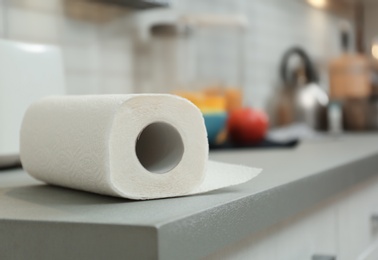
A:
[143,146]
[220,175]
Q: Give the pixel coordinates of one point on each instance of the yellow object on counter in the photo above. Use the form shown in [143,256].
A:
[214,103]
[232,95]
[197,98]
[206,103]
[234,98]
[213,106]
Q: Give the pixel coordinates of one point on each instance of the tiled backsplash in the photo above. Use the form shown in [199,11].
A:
[92,64]
[98,44]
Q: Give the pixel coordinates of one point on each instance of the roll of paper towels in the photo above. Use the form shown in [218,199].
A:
[143,146]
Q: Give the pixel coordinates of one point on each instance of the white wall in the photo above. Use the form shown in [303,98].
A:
[275,26]
[99,56]
[93,64]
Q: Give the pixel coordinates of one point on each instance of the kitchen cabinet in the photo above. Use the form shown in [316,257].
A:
[345,227]
[357,222]
[302,237]
[137,4]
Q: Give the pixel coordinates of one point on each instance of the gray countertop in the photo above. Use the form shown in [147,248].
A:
[47,222]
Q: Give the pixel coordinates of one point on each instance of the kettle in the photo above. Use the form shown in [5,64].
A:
[301,99]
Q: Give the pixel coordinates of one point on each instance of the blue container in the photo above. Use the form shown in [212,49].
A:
[215,123]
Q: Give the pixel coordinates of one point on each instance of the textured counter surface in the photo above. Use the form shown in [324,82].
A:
[40,221]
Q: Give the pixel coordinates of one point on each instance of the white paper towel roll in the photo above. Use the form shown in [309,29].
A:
[133,146]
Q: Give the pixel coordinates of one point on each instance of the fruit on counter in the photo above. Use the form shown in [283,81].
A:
[247,125]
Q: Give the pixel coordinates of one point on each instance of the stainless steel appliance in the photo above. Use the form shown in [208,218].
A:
[300,99]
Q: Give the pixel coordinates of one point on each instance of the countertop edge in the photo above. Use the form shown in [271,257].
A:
[45,240]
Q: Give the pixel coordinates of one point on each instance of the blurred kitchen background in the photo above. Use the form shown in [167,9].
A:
[287,58]
[98,38]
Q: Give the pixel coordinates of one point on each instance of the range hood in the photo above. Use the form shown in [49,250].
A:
[137,4]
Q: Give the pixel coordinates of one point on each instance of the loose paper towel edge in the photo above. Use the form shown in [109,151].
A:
[221,175]
[218,175]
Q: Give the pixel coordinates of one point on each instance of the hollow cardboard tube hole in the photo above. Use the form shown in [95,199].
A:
[159,147]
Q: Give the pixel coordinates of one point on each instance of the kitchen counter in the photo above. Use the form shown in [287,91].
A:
[43,221]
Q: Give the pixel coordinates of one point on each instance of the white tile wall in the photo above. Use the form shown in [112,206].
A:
[115,43]
[94,62]
[29,25]
[81,58]
[116,84]
[274,26]
[51,6]
[76,32]
[83,83]
[100,58]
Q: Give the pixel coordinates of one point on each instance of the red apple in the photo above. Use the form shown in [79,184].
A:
[247,125]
